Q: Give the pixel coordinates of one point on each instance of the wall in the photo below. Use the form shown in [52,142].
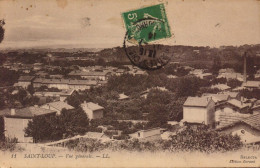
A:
[152,132]
[98,114]
[15,128]
[210,113]
[24,84]
[250,135]
[194,114]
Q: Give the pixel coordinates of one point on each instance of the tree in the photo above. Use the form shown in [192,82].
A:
[30,89]
[158,115]
[204,140]
[69,123]
[233,83]
[216,65]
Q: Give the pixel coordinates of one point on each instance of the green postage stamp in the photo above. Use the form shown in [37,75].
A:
[147,24]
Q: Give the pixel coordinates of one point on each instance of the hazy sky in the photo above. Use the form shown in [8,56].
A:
[98,24]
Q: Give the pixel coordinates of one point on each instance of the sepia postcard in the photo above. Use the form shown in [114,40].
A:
[129,83]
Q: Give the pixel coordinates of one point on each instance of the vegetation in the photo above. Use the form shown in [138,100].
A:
[198,138]
[68,124]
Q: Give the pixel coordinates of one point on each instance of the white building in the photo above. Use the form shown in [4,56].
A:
[94,111]
[199,110]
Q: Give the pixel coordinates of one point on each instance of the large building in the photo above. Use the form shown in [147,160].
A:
[199,110]
[64,83]
[91,75]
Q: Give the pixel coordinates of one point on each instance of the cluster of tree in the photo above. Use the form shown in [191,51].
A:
[204,140]
[8,77]
[69,123]
[249,94]
[233,83]
[22,98]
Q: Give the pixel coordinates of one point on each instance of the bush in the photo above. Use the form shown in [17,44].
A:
[9,144]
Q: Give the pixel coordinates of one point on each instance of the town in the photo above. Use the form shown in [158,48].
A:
[55,97]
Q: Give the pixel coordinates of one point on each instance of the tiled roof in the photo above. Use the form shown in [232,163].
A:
[252,84]
[123,96]
[197,101]
[82,73]
[217,97]
[64,81]
[238,103]
[253,121]
[221,86]
[92,106]
[26,78]
[231,94]
[27,112]
[59,105]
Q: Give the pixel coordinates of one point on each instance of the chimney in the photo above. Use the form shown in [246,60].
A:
[244,77]
[12,112]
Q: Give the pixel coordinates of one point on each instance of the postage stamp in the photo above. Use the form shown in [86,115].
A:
[147,24]
[144,26]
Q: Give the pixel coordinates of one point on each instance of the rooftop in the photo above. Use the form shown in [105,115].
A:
[122,96]
[238,103]
[65,81]
[59,105]
[221,86]
[217,97]
[83,73]
[92,106]
[253,121]
[28,112]
[255,84]
[197,101]
[26,78]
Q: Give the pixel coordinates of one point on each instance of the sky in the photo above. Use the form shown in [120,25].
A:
[98,24]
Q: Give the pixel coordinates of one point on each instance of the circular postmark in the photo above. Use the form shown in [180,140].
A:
[146,56]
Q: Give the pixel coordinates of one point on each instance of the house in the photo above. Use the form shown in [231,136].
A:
[256,109]
[91,75]
[37,66]
[218,99]
[248,129]
[122,96]
[62,95]
[199,110]
[235,105]
[221,87]
[233,95]
[120,72]
[228,75]
[224,117]
[94,111]
[150,134]
[227,70]
[57,106]
[16,120]
[145,93]
[252,85]
[64,83]
[25,81]
[172,76]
